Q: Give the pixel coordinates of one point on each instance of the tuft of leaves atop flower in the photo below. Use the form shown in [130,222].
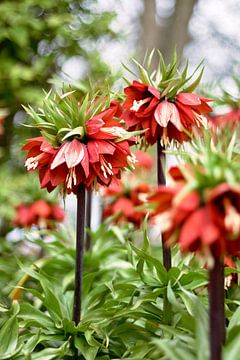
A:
[63,116]
[226,97]
[168,78]
[212,158]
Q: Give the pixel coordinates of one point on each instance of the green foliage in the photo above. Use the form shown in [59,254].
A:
[122,316]
[36,36]
[64,116]
[36,39]
[168,79]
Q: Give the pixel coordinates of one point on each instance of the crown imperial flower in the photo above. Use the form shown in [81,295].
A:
[163,105]
[91,150]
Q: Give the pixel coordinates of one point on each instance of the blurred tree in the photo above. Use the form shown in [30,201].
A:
[165,31]
[36,39]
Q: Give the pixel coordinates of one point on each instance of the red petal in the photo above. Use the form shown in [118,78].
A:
[94,125]
[96,147]
[74,153]
[58,175]
[85,162]
[210,233]
[192,229]
[188,99]
[166,112]
[190,202]
[59,157]
[154,92]
[41,208]
[37,141]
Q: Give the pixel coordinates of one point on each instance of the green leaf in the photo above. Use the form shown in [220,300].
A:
[156,263]
[174,350]
[89,352]
[232,348]
[9,332]
[143,73]
[35,316]
[51,353]
[77,131]
[83,110]
[32,342]
[194,84]
[146,242]
[235,319]
[201,331]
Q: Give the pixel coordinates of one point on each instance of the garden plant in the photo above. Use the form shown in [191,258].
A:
[158,278]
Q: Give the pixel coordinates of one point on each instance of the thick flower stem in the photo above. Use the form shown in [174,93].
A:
[216,309]
[88,219]
[167,259]
[79,254]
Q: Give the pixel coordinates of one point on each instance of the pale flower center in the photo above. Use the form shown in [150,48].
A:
[106,167]
[232,218]
[32,162]
[132,160]
[71,178]
[164,138]
[164,221]
[137,104]
[200,120]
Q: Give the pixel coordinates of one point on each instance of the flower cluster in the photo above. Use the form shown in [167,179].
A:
[204,220]
[126,204]
[163,105]
[92,151]
[40,213]
[125,198]
[230,118]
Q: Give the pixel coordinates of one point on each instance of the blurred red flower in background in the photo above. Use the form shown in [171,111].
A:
[205,221]
[124,203]
[143,160]
[231,118]
[40,213]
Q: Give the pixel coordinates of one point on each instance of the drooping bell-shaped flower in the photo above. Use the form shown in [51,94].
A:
[83,143]
[164,105]
[200,209]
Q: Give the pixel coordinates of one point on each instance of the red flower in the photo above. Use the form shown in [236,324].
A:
[161,117]
[231,118]
[24,216]
[144,160]
[97,157]
[39,213]
[125,204]
[208,223]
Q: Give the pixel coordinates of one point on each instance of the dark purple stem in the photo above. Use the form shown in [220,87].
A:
[167,261]
[88,219]
[79,254]
[216,309]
